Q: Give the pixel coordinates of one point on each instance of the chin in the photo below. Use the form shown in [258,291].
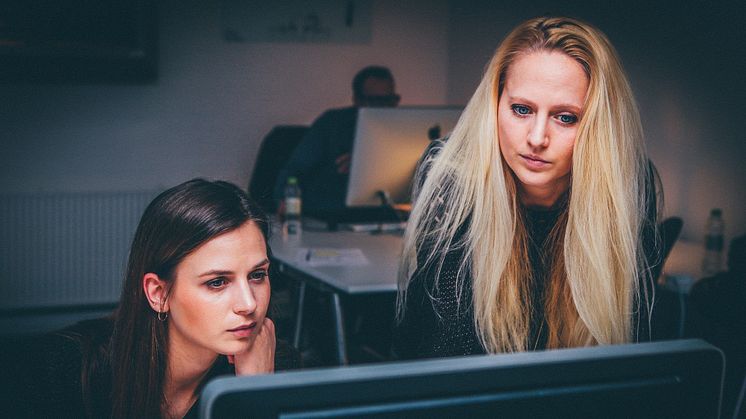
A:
[536,180]
[235,347]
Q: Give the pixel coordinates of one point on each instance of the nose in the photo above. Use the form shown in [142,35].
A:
[538,137]
[244,302]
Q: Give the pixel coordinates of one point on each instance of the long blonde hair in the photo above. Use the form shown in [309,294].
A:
[595,250]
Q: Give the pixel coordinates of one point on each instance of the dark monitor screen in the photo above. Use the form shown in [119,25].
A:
[649,380]
[79,41]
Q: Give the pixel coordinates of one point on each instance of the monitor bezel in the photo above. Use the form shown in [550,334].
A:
[693,365]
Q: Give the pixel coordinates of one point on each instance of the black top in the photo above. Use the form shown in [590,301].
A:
[438,322]
[48,380]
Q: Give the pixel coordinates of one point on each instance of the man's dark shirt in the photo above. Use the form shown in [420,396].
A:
[314,161]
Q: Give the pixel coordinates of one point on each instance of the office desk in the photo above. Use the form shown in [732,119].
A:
[681,271]
[377,276]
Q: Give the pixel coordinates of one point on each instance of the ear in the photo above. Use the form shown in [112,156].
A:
[155,291]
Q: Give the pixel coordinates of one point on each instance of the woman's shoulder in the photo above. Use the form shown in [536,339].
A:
[425,163]
[434,148]
[94,330]
[336,116]
[48,374]
[86,339]
[69,345]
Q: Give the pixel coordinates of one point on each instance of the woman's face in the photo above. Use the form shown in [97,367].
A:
[220,294]
[537,118]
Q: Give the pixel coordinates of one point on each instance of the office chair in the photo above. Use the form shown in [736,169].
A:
[669,231]
[668,316]
[740,410]
[274,152]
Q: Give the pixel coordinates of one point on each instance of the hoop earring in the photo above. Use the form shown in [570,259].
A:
[162,315]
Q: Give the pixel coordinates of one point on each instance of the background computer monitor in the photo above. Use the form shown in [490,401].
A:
[650,380]
[388,143]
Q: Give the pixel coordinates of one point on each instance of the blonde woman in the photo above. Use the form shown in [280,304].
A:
[534,222]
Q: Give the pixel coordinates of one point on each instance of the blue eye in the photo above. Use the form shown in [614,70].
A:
[216,283]
[258,275]
[521,109]
[567,119]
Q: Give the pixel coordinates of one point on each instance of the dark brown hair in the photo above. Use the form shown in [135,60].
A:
[177,222]
[371,71]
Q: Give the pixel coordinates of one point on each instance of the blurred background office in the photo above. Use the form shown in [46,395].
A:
[91,149]
[80,159]
[214,99]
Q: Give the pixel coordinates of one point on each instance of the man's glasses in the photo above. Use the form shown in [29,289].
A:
[380,100]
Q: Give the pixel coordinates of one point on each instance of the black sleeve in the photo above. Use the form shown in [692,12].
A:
[437,321]
[645,317]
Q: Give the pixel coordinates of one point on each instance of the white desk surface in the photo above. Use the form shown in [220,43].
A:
[383,252]
[378,275]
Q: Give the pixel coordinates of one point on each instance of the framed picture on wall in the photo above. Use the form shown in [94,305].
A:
[325,21]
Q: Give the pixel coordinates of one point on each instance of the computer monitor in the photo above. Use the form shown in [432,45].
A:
[650,380]
[388,143]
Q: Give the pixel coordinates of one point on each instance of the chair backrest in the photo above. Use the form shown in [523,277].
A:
[740,410]
[274,152]
[670,230]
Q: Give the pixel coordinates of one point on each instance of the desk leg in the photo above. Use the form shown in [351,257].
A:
[339,326]
[299,314]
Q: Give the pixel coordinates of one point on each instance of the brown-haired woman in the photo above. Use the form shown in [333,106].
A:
[193,306]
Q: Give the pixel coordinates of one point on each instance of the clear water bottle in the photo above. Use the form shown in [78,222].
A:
[291,225]
[711,263]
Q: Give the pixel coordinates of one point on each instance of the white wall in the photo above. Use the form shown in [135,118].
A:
[686,63]
[212,104]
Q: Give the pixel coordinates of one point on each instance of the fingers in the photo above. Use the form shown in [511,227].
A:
[342,158]
[260,357]
[267,339]
[269,326]
[343,163]
[281,209]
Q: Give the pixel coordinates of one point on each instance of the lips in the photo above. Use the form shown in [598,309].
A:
[534,161]
[534,158]
[243,330]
